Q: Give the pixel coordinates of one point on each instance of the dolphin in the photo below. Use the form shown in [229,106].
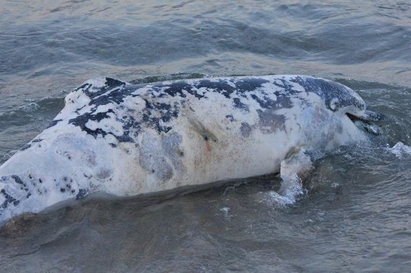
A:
[121,139]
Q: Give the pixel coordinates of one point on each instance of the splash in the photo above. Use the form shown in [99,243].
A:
[291,191]
[400,149]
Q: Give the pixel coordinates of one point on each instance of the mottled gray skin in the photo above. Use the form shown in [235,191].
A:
[126,140]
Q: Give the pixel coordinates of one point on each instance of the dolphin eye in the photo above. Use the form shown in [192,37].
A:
[334,104]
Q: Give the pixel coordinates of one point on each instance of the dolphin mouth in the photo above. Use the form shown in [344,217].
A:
[366,121]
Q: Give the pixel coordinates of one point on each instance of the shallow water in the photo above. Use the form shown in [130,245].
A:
[355,216]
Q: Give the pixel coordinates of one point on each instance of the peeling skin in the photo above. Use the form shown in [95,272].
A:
[125,139]
[269,121]
[153,159]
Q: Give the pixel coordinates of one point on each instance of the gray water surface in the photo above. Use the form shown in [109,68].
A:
[355,216]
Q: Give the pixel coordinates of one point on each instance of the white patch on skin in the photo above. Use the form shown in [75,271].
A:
[75,100]
[97,83]
[137,104]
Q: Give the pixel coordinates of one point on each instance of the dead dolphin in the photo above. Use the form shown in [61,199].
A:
[125,140]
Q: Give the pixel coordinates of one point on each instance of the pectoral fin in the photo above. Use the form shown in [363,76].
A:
[297,165]
[293,170]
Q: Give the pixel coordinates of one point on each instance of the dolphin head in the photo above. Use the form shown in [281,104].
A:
[343,100]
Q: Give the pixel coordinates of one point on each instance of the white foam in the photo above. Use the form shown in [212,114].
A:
[399,149]
[226,211]
[31,107]
[291,192]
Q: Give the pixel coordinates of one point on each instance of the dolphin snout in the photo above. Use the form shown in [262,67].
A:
[373,116]
[366,121]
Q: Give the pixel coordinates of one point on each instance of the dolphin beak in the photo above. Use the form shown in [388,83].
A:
[373,116]
[365,121]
